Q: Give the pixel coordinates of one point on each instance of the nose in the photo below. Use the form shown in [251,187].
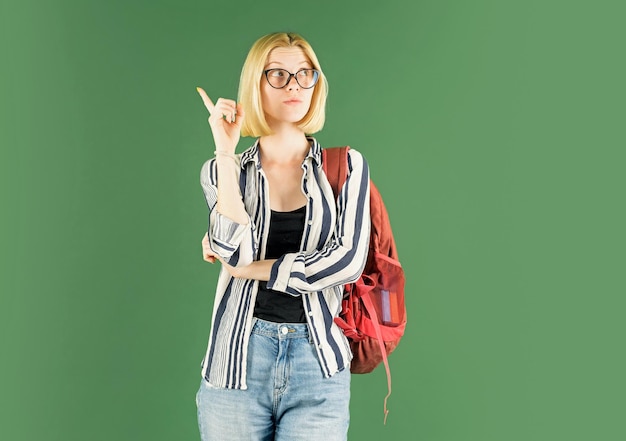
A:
[292,83]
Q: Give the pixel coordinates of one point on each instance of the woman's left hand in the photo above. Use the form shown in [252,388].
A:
[210,256]
[207,252]
[258,270]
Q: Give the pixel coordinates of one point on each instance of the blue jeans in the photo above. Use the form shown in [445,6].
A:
[288,398]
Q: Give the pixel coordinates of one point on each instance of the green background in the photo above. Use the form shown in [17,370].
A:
[494,130]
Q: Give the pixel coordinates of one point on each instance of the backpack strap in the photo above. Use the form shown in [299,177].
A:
[369,306]
[335,164]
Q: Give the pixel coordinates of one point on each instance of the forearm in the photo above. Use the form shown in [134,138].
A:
[232,241]
[299,273]
[257,270]
[343,257]
[229,200]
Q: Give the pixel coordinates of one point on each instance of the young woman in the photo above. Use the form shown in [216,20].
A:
[277,366]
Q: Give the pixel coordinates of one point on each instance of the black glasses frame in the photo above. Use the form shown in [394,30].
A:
[316,75]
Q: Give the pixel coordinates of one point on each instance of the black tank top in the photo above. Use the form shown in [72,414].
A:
[285,236]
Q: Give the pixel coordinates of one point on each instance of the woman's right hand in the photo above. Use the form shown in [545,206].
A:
[226,117]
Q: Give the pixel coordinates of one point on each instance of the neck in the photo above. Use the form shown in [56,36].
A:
[288,144]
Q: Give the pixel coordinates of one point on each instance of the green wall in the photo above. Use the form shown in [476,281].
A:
[494,130]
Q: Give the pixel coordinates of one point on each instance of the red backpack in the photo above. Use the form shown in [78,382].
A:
[373,314]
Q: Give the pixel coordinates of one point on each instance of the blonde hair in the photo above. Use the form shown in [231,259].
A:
[254,124]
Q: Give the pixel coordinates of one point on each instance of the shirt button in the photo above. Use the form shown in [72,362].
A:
[284,330]
[311,313]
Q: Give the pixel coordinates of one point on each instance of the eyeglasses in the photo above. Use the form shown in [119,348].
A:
[279,78]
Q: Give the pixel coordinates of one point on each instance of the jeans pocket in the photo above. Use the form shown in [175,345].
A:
[204,386]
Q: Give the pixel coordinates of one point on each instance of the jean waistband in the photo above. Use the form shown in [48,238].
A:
[279,330]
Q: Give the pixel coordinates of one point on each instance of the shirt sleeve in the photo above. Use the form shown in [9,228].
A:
[232,241]
[342,260]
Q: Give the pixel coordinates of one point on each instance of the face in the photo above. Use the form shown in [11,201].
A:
[291,103]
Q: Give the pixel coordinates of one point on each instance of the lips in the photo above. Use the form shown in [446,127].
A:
[292,101]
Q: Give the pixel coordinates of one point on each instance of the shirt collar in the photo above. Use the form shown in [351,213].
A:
[253,154]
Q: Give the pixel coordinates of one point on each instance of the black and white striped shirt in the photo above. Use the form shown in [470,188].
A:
[333,252]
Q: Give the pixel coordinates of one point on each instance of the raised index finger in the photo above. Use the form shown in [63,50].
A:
[205,98]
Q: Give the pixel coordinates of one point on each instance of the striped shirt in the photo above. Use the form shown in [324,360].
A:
[332,253]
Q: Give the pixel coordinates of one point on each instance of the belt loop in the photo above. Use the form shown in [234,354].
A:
[252,323]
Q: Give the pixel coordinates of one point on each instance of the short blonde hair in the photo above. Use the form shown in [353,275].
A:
[255,124]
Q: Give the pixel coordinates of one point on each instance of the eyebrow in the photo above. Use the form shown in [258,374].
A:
[281,64]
